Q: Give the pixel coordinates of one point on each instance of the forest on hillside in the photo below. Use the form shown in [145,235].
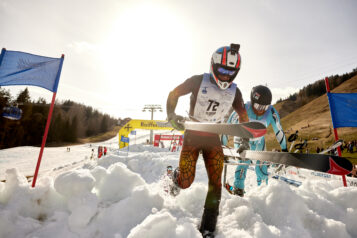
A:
[312,91]
[70,121]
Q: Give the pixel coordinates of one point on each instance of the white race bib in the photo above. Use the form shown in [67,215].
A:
[213,103]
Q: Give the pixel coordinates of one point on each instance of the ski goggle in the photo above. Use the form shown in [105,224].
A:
[169,168]
[224,71]
[260,107]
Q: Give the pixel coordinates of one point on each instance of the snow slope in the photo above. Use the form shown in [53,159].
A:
[121,196]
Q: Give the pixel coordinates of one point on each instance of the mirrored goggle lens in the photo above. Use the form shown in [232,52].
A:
[170,169]
[259,107]
[224,71]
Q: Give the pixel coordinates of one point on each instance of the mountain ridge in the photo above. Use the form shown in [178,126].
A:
[313,120]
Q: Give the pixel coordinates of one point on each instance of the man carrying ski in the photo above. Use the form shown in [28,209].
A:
[212,95]
[259,109]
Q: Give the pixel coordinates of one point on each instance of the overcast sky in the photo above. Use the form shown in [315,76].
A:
[122,55]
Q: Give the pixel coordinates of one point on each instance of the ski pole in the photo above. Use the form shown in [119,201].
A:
[225,166]
[224,174]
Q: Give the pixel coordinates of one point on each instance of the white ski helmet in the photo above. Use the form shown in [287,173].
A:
[227,61]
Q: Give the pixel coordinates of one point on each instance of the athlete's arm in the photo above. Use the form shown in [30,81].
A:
[238,106]
[279,133]
[189,86]
[231,118]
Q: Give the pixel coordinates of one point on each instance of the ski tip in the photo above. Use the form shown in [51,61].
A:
[336,169]
[256,130]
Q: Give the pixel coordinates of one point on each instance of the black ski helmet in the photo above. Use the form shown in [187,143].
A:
[260,97]
[225,60]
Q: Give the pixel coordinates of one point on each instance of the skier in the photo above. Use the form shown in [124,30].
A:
[174,146]
[166,178]
[259,109]
[212,95]
[167,181]
[100,152]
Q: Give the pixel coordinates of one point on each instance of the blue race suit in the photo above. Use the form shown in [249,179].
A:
[270,117]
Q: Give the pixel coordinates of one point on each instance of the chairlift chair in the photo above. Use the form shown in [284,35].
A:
[12,113]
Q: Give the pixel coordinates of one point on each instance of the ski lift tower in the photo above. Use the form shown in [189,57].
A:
[152,108]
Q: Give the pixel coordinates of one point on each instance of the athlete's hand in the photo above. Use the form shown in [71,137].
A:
[244,145]
[224,140]
[176,121]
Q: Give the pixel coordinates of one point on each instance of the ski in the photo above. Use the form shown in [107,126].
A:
[332,147]
[300,147]
[319,162]
[282,178]
[235,162]
[287,180]
[292,138]
[244,130]
[230,188]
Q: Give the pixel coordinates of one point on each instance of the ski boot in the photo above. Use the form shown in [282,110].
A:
[208,222]
[234,191]
[207,234]
[238,192]
[174,187]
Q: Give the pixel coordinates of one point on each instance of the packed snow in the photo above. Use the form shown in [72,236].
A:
[122,195]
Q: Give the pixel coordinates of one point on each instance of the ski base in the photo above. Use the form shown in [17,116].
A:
[243,130]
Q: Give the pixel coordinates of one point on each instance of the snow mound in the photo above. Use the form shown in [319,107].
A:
[121,195]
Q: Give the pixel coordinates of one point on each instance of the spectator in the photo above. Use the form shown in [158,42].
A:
[100,151]
[350,147]
[92,155]
[353,144]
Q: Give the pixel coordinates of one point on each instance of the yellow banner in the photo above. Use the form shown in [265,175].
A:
[143,125]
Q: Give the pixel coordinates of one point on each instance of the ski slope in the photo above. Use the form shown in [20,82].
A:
[121,195]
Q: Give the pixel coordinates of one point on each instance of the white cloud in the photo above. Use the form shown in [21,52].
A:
[282,93]
[135,52]
[83,47]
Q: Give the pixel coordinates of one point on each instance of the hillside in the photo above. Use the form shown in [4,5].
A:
[310,92]
[313,121]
